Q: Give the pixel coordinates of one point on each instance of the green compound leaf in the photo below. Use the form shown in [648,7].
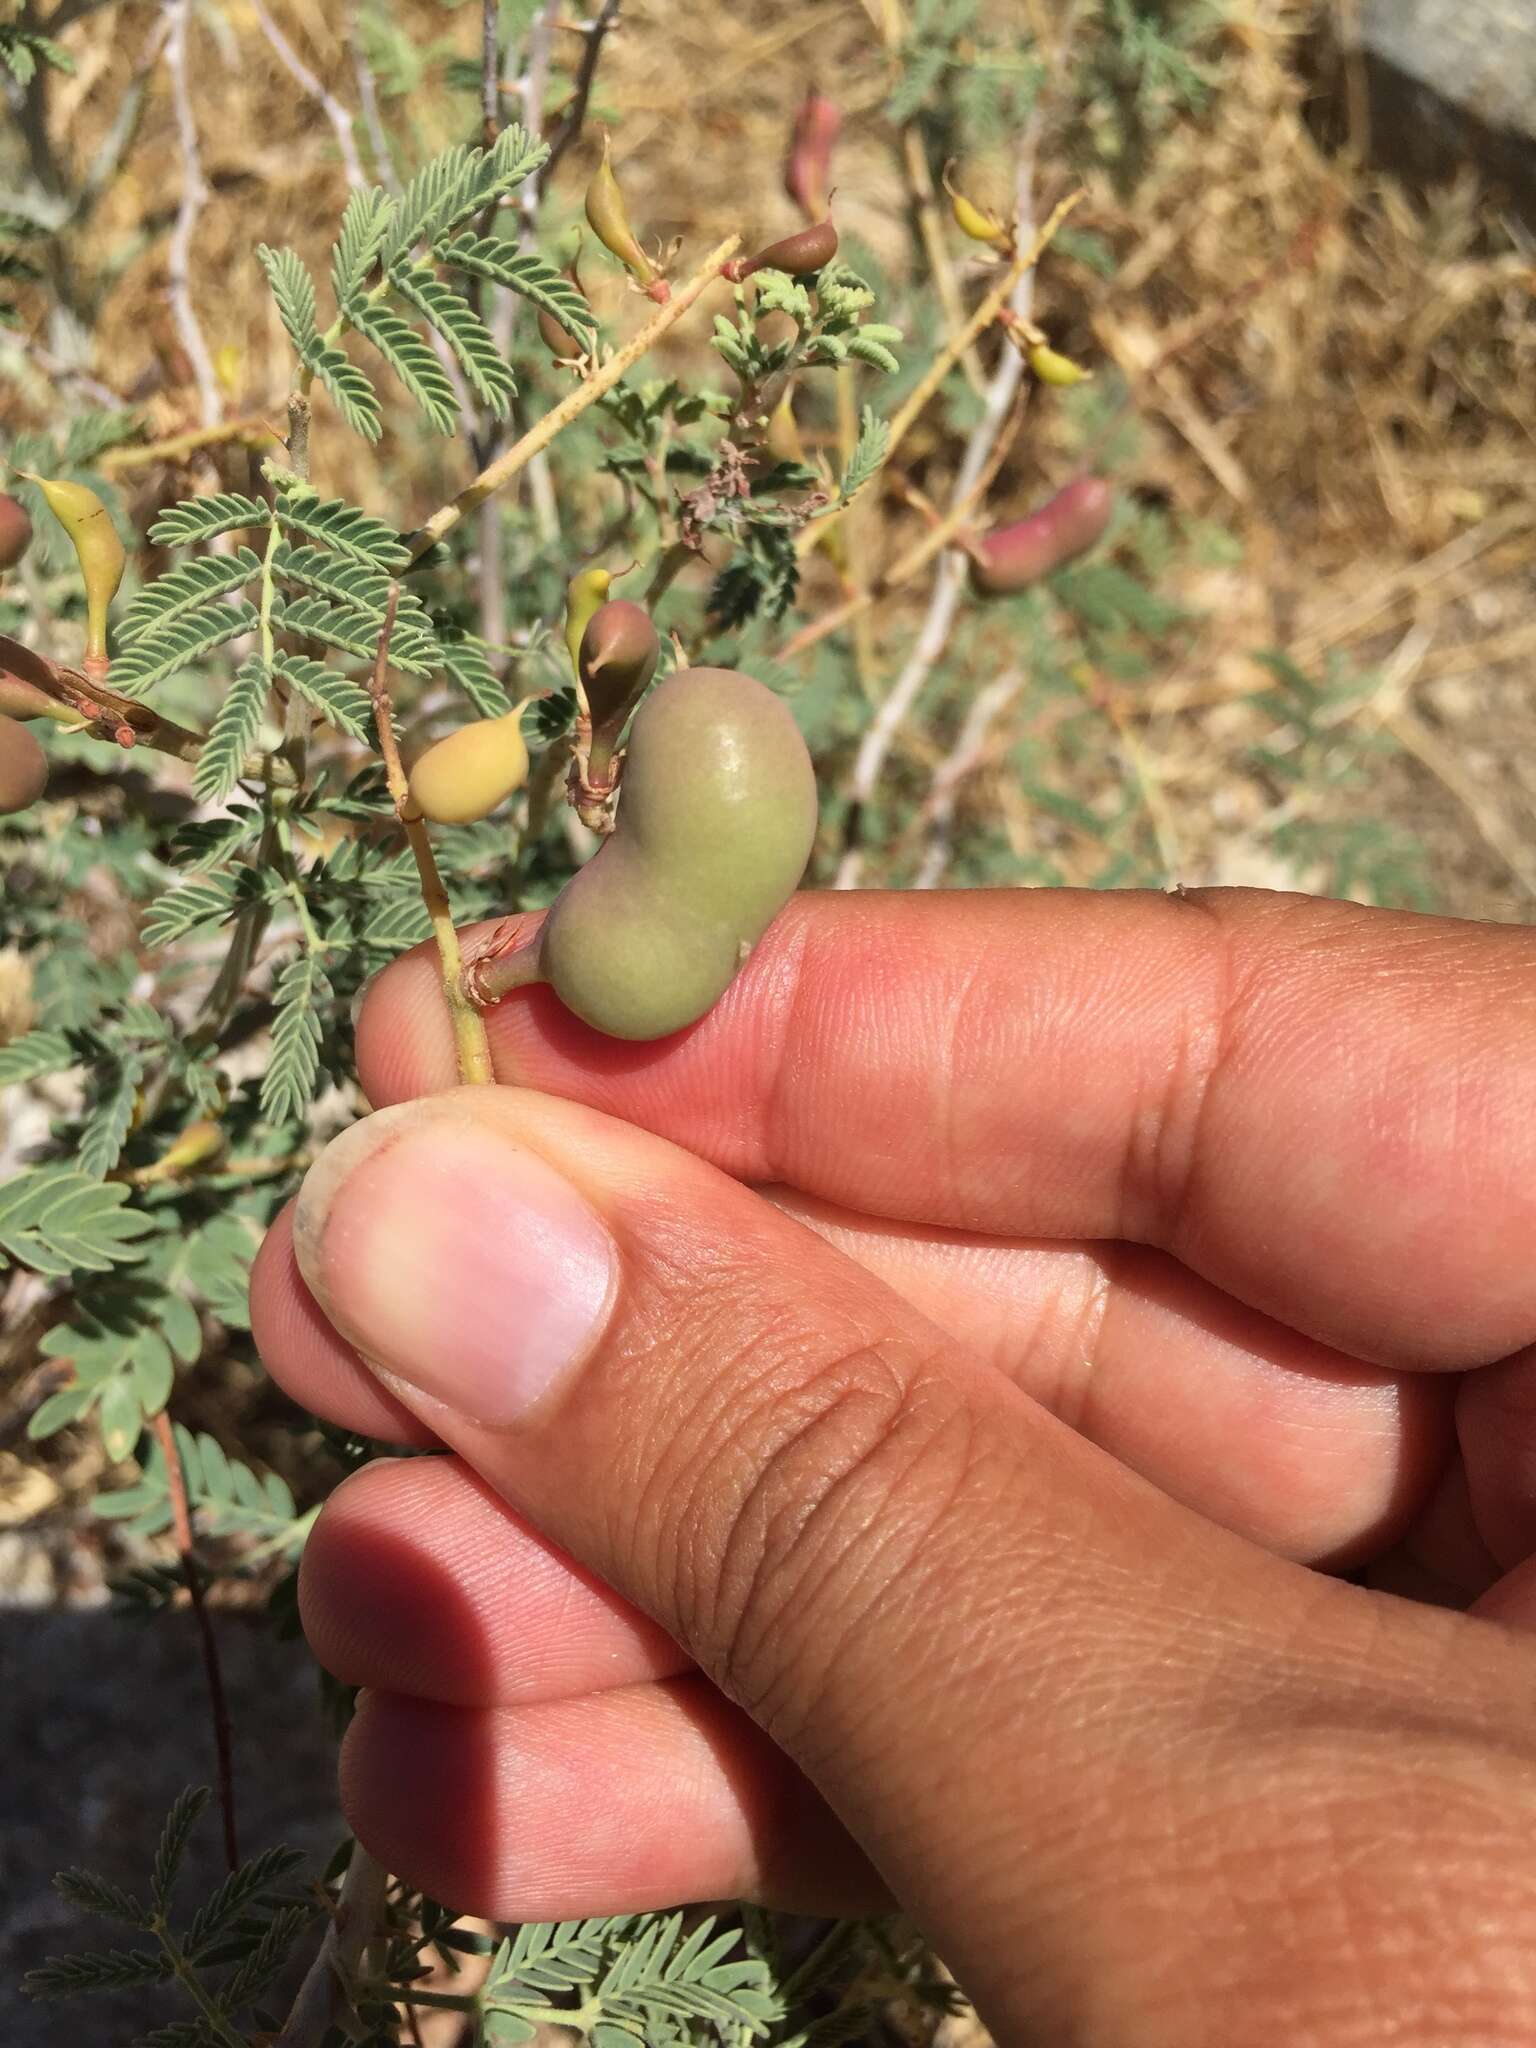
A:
[186,1811]
[288,1085]
[294,290]
[868,453]
[355,632]
[531,277]
[468,664]
[353,533]
[233,732]
[185,589]
[333,695]
[355,398]
[33,1054]
[331,575]
[247,1886]
[112,1970]
[207,900]
[57,1220]
[363,228]
[412,362]
[463,330]
[204,518]
[185,641]
[93,1894]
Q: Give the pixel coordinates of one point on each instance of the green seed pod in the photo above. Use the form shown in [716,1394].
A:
[619,652]
[583,595]
[15,531]
[21,699]
[807,250]
[781,436]
[1013,557]
[102,558]
[23,767]
[609,221]
[715,824]
[809,164]
[467,775]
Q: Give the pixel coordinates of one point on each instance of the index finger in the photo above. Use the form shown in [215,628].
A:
[1328,1111]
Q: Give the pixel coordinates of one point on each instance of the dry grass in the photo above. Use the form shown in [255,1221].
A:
[1361,417]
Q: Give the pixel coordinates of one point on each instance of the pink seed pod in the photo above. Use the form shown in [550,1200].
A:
[15,531]
[808,167]
[797,255]
[23,768]
[1013,557]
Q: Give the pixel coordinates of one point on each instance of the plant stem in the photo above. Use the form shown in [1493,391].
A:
[191,1571]
[554,422]
[253,429]
[473,1048]
[195,1989]
[329,1977]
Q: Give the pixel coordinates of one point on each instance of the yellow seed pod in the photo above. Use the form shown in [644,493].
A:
[781,437]
[102,558]
[199,1143]
[1053,368]
[609,221]
[978,222]
[466,776]
[583,596]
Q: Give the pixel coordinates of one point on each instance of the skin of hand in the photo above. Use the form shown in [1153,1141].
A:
[903,1435]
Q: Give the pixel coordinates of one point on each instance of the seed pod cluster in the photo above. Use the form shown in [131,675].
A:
[1011,558]
[15,531]
[808,167]
[798,255]
[715,825]
[23,767]
[470,773]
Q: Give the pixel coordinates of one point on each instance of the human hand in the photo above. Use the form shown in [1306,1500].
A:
[1125,1256]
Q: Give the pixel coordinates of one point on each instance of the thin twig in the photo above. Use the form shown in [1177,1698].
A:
[554,422]
[368,100]
[576,113]
[937,816]
[103,712]
[341,121]
[194,194]
[474,1050]
[253,429]
[191,1572]
[933,636]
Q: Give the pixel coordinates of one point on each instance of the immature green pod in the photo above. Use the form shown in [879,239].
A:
[618,656]
[1013,557]
[21,699]
[23,767]
[467,775]
[781,437]
[806,250]
[808,166]
[715,824]
[15,531]
[609,221]
[583,594]
[102,558]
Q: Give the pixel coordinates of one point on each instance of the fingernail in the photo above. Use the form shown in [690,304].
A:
[455,1259]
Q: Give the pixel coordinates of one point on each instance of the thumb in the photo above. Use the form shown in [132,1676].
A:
[992,1649]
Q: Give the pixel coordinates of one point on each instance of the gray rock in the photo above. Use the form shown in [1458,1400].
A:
[1454,82]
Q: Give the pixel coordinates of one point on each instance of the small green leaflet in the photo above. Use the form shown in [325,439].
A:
[531,277]
[207,900]
[228,1498]
[463,330]
[33,1054]
[868,453]
[412,362]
